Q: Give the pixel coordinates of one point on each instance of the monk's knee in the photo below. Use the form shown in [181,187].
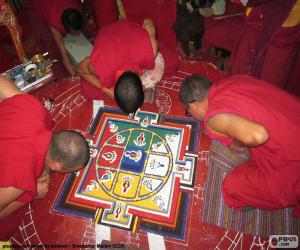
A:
[230,182]
[226,188]
[230,190]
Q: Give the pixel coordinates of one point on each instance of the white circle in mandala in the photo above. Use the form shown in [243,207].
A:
[143,175]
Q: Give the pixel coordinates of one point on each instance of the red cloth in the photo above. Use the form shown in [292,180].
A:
[271,178]
[6,61]
[105,12]
[293,84]
[52,10]
[163,14]
[282,54]
[278,65]
[244,47]
[243,51]
[223,33]
[120,46]
[237,2]
[265,49]
[25,132]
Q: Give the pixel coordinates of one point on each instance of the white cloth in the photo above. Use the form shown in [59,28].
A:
[151,77]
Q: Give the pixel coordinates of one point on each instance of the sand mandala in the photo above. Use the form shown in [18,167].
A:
[140,175]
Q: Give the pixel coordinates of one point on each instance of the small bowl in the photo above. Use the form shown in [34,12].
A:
[30,72]
[38,59]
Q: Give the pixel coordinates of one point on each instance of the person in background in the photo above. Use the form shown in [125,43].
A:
[268,46]
[244,113]
[62,17]
[121,47]
[212,26]
[223,22]
[29,149]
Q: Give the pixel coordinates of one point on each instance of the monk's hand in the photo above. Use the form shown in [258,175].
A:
[43,183]
[109,92]
[238,147]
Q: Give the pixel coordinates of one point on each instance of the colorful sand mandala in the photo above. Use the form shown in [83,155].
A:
[140,174]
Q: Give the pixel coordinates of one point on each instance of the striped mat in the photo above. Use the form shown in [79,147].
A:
[215,211]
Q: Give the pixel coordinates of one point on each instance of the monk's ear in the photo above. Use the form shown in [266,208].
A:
[193,104]
[53,164]
[57,167]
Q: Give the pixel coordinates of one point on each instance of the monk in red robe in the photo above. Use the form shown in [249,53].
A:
[27,145]
[118,48]
[163,14]
[269,42]
[245,113]
[62,17]
[222,25]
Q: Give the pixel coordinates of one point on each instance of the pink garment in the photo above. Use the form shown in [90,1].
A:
[271,178]
[52,10]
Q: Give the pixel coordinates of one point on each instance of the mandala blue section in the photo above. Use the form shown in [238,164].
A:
[133,160]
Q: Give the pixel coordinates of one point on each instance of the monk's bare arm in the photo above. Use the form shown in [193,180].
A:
[148,24]
[242,130]
[8,203]
[86,71]
[237,146]
[61,47]
[9,196]
[7,88]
